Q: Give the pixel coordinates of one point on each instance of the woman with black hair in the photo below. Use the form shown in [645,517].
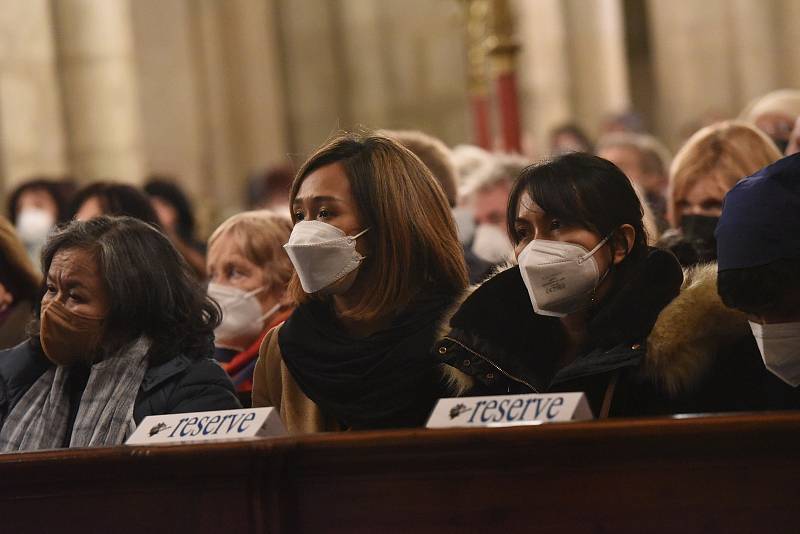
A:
[122,331]
[116,200]
[576,312]
[35,207]
[176,216]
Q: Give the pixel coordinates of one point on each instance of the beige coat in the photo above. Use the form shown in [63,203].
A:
[273,385]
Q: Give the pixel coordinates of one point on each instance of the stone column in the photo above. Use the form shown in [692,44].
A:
[787,53]
[544,71]
[31,125]
[597,58]
[754,48]
[694,64]
[573,65]
[98,79]
[169,96]
[240,106]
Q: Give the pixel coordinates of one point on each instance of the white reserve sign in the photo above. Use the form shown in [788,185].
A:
[208,426]
[509,410]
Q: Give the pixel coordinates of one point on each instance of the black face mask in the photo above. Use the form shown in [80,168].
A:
[698,231]
[782,145]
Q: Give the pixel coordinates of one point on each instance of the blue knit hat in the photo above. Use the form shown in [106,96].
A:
[760,220]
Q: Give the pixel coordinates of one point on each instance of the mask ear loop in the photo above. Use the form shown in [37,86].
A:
[608,271]
[272,311]
[254,292]
[594,250]
[352,238]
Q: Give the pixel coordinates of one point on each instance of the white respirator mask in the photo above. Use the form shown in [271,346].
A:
[561,277]
[779,345]
[33,225]
[241,313]
[322,254]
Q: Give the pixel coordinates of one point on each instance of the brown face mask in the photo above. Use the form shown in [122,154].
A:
[68,338]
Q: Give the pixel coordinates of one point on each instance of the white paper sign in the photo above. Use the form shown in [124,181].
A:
[208,426]
[509,410]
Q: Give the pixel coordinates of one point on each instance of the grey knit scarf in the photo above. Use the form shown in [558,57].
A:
[105,415]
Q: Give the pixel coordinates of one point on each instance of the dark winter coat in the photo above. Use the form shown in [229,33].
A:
[179,385]
[498,345]
[704,356]
[649,352]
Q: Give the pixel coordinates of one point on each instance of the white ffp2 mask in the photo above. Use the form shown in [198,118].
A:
[561,277]
[779,345]
[241,314]
[322,254]
[491,244]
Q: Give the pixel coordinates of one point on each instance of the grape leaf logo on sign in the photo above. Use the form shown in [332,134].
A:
[457,410]
[158,428]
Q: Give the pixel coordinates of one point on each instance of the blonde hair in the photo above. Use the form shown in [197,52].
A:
[726,151]
[260,235]
[786,101]
[412,242]
[14,259]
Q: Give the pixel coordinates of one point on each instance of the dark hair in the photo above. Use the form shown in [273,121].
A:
[770,287]
[173,195]
[116,200]
[264,186]
[585,191]
[575,131]
[59,190]
[152,290]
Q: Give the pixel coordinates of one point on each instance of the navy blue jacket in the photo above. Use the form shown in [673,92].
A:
[179,385]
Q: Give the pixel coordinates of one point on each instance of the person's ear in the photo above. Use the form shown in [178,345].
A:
[624,238]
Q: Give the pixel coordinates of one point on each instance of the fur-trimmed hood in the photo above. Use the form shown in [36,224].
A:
[690,332]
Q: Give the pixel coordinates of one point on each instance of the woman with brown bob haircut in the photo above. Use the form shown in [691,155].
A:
[377,263]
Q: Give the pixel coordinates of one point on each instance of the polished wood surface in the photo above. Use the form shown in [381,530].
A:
[706,474]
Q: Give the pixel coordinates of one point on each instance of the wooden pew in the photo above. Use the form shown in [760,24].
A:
[706,474]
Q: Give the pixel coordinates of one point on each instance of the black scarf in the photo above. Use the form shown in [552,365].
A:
[388,379]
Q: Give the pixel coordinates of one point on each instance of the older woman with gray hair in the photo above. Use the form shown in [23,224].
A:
[123,331]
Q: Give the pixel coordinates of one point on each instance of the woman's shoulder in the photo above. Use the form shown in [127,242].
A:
[692,333]
[267,374]
[22,365]
[270,347]
[182,385]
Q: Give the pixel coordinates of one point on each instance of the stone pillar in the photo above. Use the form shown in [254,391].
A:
[313,63]
[254,79]
[573,65]
[98,80]
[544,71]
[787,53]
[240,97]
[695,73]
[31,125]
[754,48]
[171,111]
[598,61]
